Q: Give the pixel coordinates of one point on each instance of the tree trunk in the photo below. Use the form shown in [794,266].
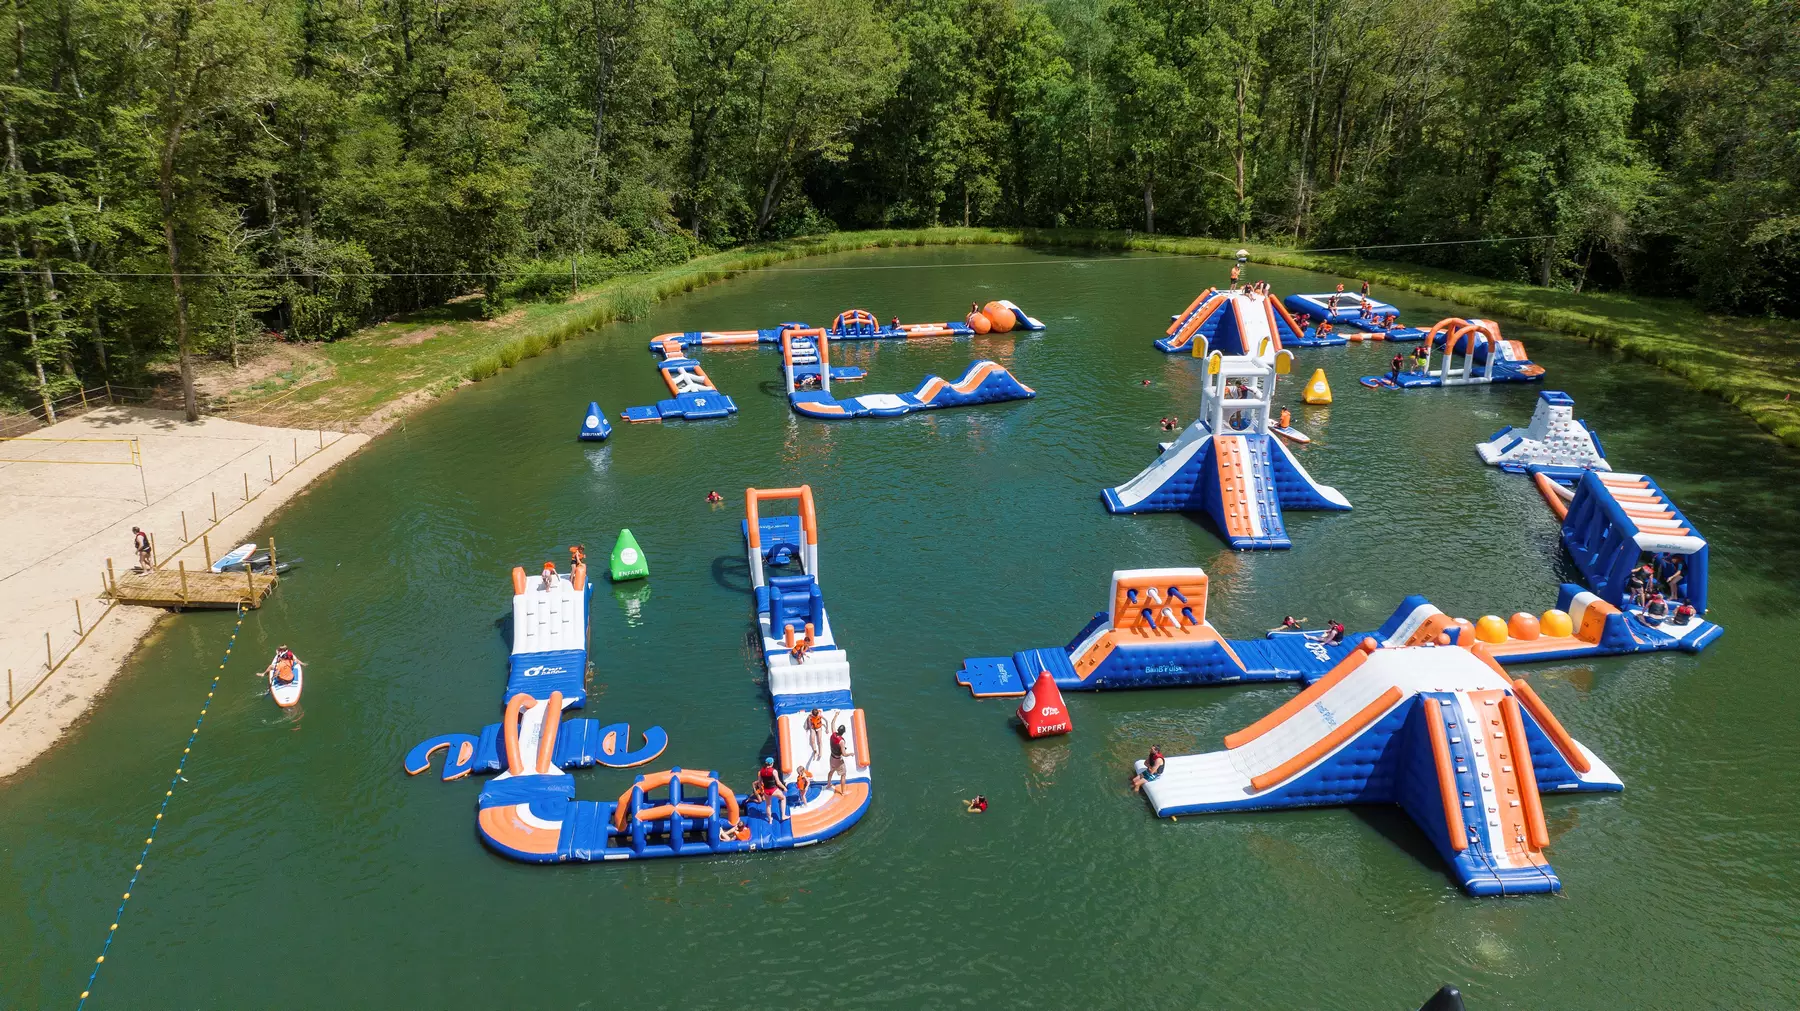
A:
[1237,154]
[166,191]
[1150,203]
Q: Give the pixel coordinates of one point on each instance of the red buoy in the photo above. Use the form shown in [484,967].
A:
[1042,711]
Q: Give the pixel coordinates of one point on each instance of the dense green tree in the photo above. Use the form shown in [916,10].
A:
[183,176]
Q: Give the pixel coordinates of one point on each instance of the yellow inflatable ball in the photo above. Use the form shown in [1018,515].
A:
[1556,623]
[1000,316]
[1490,628]
[978,322]
[1523,625]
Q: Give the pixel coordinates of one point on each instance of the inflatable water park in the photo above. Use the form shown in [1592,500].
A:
[1439,730]
[528,811]
[1228,464]
[1418,712]
[1467,352]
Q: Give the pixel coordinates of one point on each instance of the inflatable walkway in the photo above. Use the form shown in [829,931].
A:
[1232,323]
[1153,634]
[984,383]
[1473,354]
[1228,464]
[528,811]
[1439,730]
[1555,438]
[694,395]
[858,324]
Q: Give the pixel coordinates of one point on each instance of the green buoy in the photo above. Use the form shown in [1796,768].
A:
[628,559]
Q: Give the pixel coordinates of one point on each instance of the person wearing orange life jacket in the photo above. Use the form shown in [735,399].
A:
[1287,418]
[549,576]
[815,734]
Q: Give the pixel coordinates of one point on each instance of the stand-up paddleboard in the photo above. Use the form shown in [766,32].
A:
[1293,435]
[234,558]
[1379,382]
[285,677]
[628,560]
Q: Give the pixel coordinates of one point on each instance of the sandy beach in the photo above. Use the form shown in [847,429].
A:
[71,495]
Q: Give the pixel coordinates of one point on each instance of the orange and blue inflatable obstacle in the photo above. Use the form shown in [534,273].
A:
[694,396]
[1232,323]
[1352,317]
[1153,634]
[984,383]
[808,679]
[1439,730]
[1616,527]
[1581,625]
[594,427]
[1467,352]
[1227,464]
[861,324]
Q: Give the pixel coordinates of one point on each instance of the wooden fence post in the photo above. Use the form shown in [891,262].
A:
[112,582]
[206,549]
[184,594]
[215,496]
[78,629]
[49,654]
[184,534]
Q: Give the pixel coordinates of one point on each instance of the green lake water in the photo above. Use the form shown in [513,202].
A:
[299,867]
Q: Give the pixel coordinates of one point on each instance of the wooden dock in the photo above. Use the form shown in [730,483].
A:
[181,588]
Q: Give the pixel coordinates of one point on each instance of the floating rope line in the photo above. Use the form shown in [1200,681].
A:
[169,794]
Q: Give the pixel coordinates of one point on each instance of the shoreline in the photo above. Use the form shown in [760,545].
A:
[49,702]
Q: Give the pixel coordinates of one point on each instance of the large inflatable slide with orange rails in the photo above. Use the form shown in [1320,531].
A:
[1467,352]
[528,811]
[1231,322]
[1439,730]
[1353,317]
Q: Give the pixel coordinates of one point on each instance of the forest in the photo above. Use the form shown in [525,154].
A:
[186,178]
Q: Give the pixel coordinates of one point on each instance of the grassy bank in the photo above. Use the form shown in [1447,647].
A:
[1752,363]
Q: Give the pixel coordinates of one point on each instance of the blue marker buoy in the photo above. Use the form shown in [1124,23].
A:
[594,427]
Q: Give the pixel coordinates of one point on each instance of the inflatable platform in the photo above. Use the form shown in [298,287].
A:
[1440,731]
[1232,323]
[1352,317]
[1582,624]
[1472,353]
[859,324]
[694,396]
[1153,634]
[1228,463]
[1555,438]
[985,382]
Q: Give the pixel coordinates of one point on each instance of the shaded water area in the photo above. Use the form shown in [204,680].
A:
[300,867]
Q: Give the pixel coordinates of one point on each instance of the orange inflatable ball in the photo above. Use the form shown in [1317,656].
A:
[1000,316]
[1556,623]
[1490,628]
[1523,625]
[978,322]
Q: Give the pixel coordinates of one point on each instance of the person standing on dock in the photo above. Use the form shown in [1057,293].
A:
[140,542]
